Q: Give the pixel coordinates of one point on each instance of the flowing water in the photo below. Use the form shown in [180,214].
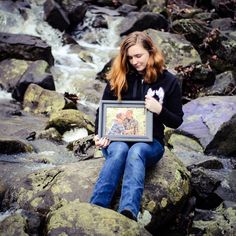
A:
[69,67]
[69,70]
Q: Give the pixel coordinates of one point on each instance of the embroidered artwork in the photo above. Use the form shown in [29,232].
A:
[159,93]
[151,92]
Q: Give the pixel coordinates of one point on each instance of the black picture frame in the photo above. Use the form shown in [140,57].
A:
[110,121]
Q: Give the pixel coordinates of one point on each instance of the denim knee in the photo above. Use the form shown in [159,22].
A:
[136,152]
[116,150]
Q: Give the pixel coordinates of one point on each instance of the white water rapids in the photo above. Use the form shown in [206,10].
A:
[69,70]
[68,64]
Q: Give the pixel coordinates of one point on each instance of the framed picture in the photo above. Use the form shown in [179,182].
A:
[125,121]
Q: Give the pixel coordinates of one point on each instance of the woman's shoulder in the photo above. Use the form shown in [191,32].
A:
[167,81]
[167,75]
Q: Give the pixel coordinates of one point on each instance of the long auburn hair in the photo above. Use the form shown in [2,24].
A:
[121,66]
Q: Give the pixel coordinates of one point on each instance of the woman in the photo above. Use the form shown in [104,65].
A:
[137,73]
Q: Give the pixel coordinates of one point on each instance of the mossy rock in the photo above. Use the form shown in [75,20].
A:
[65,120]
[11,71]
[85,219]
[39,100]
[167,188]
[47,189]
[13,225]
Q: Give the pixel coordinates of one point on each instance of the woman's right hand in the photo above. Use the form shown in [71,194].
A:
[101,142]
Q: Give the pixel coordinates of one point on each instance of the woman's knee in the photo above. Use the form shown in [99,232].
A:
[137,152]
[118,149]
[138,148]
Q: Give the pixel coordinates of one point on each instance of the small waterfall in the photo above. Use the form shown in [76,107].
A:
[69,68]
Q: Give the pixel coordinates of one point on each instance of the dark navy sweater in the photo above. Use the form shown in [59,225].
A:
[167,91]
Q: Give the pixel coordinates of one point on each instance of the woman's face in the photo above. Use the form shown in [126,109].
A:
[138,57]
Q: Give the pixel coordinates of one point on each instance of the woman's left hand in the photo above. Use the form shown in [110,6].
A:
[152,104]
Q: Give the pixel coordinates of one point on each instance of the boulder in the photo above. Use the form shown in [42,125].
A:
[45,190]
[13,146]
[76,10]
[92,91]
[39,100]
[223,24]
[176,49]
[191,153]
[13,225]
[137,21]
[78,218]
[22,46]
[55,15]
[211,121]
[156,6]
[166,189]
[63,15]
[125,9]
[224,84]
[217,222]
[65,120]
[212,187]
[194,30]
[21,223]
[224,7]
[35,74]
[11,71]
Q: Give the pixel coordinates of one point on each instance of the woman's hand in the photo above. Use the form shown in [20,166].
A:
[101,142]
[152,104]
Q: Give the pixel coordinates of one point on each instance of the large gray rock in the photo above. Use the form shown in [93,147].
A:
[39,100]
[55,15]
[137,21]
[11,70]
[166,189]
[194,30]
[212,187]
[176,49]
[22,46]
[64,14]
[36,73]
[191,153]
[47,189]
[85,219]
[20,223]
[225,84]
[12,146]
[218,222]
[64,120]
[211,120]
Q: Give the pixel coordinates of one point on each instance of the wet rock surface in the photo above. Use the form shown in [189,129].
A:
[44,185]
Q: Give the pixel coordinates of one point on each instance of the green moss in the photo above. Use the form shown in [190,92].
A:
[151,206]
[61,189]
[87,219]
[164,202]
[36,202]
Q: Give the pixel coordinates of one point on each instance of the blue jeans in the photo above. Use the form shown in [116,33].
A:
[129,160]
